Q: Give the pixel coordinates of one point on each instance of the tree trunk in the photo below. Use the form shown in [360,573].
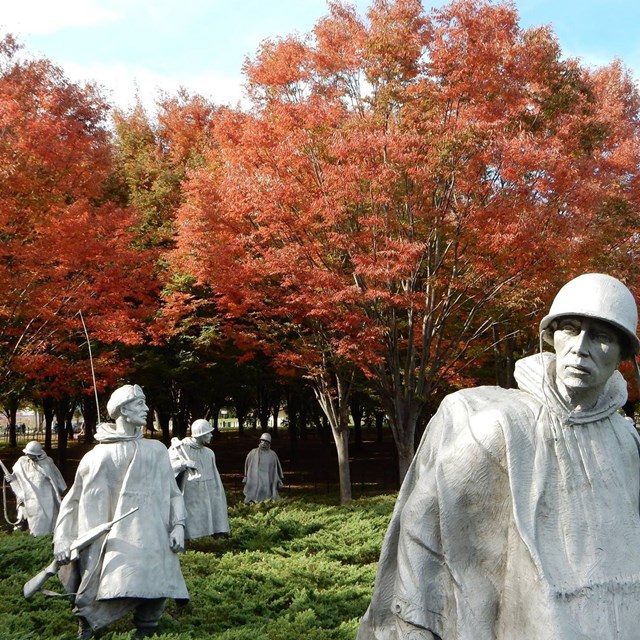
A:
[326,429]
[61,409]
[12,412]
[406,451]
[294,407]
[357,411]
[293,437]
[164,421]
[276,413]
[404,410]
[344,470]
[403,426]
[47,410]
[214,419]
[333,391]
[241,402]
[150,426]
[263,410]
[302,422]
[511,347]
[379,425]
[90,417]
[212,414]
[179,411]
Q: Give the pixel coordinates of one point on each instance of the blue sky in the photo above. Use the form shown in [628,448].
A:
[151,45]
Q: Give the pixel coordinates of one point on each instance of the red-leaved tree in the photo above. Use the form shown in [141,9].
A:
[400,186]
[66,248]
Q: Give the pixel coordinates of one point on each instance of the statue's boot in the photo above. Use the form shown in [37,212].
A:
[85,632]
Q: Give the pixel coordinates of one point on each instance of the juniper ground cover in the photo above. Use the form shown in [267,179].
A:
[299,568]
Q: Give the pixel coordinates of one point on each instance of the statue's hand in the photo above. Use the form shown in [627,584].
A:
[9,477]
[62,554]
[176,538]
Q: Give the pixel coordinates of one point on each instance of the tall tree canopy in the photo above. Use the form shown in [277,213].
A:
[400,183]
[154,156]
[65,246]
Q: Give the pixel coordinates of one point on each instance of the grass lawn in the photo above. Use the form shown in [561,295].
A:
[299,569]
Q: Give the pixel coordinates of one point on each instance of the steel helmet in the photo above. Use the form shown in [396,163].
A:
[599,296]
[200,427]
[266,437]
[34,448]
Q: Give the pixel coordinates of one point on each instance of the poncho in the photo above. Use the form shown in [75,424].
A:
[263,476]
[38,485]
[204,497]
[518,518]
[134,560]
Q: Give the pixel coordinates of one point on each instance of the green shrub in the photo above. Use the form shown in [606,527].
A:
[290,570]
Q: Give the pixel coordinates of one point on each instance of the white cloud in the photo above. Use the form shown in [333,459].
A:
[47,16]
[599,59]
[122,83]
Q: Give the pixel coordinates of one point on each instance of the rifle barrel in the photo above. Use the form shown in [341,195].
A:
[4,468]
[37,582]
[89,536]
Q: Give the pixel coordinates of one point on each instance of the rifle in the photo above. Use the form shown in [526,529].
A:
[37,582]
[189,472]
[6,472]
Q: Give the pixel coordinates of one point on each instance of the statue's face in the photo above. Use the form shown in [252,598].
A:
[588,351]
[135,412]
[205,438]
[264,445]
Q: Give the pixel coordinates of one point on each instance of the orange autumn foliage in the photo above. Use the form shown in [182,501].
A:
[405,182]
[65,247]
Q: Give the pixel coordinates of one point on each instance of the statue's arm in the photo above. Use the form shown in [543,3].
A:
[247,466]
[279,471]
[66,529]
[456,478]
[14,482]
[177,464]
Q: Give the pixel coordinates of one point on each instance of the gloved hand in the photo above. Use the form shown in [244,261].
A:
[62,553]
[176,538]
